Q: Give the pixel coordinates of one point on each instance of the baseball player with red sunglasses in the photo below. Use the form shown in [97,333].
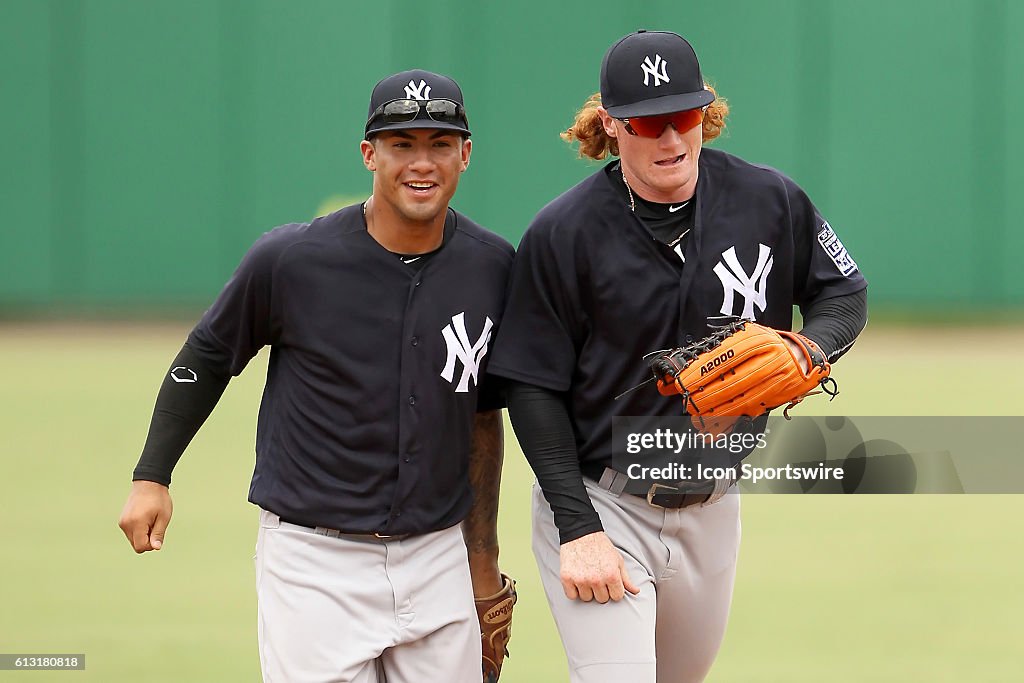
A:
[650,252]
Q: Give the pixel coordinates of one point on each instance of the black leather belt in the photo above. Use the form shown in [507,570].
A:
[335,533]
[681,494]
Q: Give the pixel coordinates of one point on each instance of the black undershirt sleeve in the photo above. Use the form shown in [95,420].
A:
[490,395]
[188,395]
[542,425]
[834,323]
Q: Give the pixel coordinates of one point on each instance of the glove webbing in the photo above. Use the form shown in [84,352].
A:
[712,341]
[690,353]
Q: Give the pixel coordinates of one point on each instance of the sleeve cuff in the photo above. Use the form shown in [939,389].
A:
[579,529]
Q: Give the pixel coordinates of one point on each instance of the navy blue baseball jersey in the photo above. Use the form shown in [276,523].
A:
[593,290]
[375,372]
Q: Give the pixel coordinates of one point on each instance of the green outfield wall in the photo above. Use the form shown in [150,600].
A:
[147,144]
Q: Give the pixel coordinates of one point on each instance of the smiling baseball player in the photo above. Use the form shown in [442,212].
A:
[375,430]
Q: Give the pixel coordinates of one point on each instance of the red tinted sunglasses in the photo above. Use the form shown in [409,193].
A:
[654,126]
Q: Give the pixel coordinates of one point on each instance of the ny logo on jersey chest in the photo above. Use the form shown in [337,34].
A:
[753,287]
[460,349]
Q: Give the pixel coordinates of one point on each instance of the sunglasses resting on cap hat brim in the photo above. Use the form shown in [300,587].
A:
[415,87]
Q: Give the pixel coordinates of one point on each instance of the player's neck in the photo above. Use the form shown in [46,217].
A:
[399,235]
[675,195]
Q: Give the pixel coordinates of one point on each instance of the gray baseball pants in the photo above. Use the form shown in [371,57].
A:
[341,609]
[684,562]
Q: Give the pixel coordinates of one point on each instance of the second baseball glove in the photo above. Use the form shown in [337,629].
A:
[495,614]
[743,369]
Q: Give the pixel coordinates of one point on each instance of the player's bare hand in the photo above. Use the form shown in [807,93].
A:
[146,515]
[799,353]
[592,569]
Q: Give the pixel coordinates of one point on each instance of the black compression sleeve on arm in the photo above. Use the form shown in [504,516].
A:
[542,425]
[188,395]
[835,323]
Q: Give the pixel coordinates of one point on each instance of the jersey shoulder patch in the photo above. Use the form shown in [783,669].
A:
[833,246]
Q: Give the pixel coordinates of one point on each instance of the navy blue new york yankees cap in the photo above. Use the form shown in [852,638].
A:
[420,85]
[652,72]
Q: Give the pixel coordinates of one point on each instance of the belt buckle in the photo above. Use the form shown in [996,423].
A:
[653,493]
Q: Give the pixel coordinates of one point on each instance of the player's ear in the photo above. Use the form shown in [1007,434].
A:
[369,155]
[467,149]
[607,122]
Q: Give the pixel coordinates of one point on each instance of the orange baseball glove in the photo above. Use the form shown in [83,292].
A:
[741,370]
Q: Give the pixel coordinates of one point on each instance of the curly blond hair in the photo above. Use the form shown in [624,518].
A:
[596,144]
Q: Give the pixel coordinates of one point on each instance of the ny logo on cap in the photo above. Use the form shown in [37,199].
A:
[652,70]
[417,92]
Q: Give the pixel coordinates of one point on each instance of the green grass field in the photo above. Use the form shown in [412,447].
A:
[874,588]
